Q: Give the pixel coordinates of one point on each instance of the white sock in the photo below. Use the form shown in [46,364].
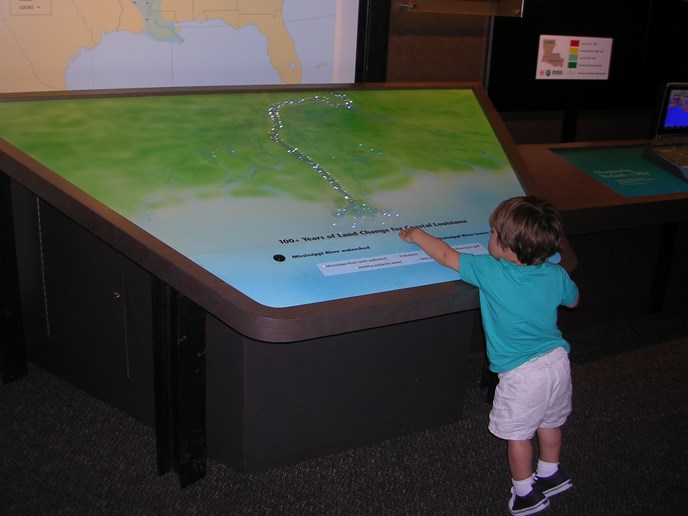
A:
[546,469]
[523,487]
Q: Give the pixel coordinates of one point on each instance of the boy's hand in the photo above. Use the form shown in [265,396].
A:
[406,234]
[437,249]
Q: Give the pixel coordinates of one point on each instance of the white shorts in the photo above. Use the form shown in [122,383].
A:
[535,395]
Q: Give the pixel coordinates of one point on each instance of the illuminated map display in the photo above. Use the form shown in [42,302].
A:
[291,197]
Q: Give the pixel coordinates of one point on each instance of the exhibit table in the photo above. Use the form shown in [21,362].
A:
[251,236]
[626,218]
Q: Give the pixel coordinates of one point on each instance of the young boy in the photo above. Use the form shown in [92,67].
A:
[520,291]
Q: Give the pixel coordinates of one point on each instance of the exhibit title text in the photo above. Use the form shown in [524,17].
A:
[368,232]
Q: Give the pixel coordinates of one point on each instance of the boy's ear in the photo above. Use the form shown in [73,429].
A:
[500,244]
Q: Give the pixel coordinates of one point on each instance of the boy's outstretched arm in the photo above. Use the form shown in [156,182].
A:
[435,248]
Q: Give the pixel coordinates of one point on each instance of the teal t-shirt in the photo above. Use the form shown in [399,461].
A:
[519,307]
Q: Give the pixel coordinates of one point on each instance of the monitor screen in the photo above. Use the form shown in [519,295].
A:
[675,108]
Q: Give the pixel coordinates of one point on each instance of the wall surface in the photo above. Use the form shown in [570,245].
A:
[430,47]
[501,52]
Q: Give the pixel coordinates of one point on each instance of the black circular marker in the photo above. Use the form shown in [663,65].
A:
[279,258]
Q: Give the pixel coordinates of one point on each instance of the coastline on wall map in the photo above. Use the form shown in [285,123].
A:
[53,45]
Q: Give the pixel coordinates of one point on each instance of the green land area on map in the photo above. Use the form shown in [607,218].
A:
[139,154]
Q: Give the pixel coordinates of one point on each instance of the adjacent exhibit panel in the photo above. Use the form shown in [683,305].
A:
[615,204]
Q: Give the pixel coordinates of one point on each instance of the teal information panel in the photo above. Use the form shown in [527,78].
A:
[624,170]
[289,197]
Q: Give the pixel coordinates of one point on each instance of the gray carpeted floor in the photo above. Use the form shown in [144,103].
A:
[626,449]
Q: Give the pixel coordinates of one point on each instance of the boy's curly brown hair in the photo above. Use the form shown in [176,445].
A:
[528,226]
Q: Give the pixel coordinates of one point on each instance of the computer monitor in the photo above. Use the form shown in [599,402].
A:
[672,120]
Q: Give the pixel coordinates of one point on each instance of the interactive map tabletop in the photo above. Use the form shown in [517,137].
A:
[290,197]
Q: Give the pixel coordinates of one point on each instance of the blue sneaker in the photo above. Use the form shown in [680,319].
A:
[533,502]
[554,484]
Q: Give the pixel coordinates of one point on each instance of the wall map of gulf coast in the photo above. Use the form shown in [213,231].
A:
[38,38]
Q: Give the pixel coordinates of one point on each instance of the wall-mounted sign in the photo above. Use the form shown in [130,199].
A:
[573,57]
[484,7]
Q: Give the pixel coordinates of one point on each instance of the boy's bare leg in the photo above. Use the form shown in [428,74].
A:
[550,479]
[524,498]
[549,440]
[520,459]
